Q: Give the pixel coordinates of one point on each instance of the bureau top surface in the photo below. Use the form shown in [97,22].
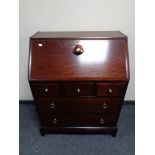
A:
[79,34]
[104,57]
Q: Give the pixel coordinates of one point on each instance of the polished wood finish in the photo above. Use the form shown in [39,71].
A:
[80,93]
[79,89]
[46,89]
[111,89]
[79,130]
[87,105]
[78,120]
[101,60]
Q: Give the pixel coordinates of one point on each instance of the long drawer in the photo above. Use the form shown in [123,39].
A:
[68,105]
[78,120]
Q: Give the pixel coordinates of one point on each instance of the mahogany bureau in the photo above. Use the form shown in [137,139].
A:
[78,80]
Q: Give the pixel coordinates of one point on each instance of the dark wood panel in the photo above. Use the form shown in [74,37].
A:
[79,130]
[111,89]
[78,120]
[101,60]
[45,89]
[78,105]
[79,89]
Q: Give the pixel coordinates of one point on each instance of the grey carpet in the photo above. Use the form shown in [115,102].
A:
[31,143]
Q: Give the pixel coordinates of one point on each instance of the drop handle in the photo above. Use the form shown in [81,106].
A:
[52,105]
[54,121]
[78,90]
[104,106]
[101,120]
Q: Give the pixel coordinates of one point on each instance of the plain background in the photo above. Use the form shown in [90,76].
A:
[73,15]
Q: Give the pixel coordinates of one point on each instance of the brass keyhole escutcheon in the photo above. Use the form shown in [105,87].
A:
[40,44]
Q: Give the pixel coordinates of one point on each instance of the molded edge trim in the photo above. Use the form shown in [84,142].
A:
[126,102]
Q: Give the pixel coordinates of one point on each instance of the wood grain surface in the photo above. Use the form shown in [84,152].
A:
[102,59]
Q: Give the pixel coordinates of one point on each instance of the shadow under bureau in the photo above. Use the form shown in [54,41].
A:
[78,80]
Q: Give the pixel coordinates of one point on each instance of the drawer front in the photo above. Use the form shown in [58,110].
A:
[79,89]
[78,120]
[78,105]
[45,89]
[110,89]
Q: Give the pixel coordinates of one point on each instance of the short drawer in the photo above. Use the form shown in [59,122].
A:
[45,89]
[78,105]
[110,89]
[78,120]
[79,89]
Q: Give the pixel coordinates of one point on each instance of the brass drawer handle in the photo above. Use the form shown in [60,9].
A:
[78,90]
[110,90]
[101,120]
[54,121]
[105,106]
[52,105]
[46,89]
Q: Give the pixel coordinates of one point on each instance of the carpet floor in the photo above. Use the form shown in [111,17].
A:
[32,143]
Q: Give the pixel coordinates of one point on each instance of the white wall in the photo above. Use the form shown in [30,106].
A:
[73,15]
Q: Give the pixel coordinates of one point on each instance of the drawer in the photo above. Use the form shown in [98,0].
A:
[79,89]
[78,120]
[78,105]
[45,89]
[110,89]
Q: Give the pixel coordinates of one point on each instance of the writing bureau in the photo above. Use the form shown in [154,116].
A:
[78,80]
